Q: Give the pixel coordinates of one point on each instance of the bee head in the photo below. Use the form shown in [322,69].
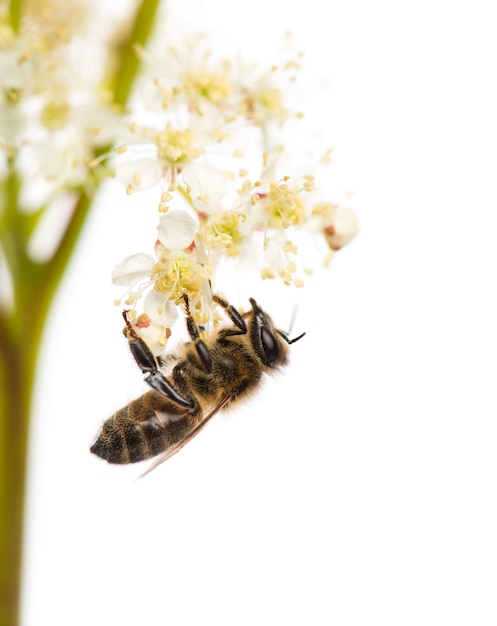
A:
[266,339]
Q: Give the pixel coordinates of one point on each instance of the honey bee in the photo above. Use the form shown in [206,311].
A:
[209,375]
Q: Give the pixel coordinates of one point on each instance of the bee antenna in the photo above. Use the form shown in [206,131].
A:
[292,322]
[292,319]
[289,341]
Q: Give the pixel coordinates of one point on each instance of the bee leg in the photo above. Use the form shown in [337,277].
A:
[234,315]
[193,331]
[148,365]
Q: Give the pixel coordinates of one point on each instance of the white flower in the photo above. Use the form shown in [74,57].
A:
[164,281]
[173,157]
[159,314]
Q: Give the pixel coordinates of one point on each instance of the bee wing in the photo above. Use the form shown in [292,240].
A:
[172,450]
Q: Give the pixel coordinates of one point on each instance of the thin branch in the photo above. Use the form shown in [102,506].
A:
[129,61]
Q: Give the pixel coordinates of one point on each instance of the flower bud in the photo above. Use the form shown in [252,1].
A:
[341,226]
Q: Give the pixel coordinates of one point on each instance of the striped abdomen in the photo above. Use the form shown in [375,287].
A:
[143,429]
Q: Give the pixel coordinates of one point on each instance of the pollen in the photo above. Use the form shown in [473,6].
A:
[284,208]
[285,275]
[247,186]
[132,298]
[326,158]
[178,274]
[143,321]
[222,233]
[214,87]
[266,273]
[176,146]
[164,199]
[289,246]
[308,182]
[201,317]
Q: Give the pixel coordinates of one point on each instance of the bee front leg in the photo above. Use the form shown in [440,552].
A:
[235,316]
[193,331]
[148,365]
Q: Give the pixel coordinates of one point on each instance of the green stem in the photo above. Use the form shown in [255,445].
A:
[21,332]
[129,61]
[17,376]
[15,12]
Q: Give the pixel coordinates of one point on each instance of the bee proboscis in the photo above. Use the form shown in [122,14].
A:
[209,374]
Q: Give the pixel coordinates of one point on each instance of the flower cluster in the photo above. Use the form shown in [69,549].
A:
[213,147]
[207,135]
[54,112]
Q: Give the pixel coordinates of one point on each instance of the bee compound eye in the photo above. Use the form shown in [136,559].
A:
[270,345]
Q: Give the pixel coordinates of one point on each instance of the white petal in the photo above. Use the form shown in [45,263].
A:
[160,310]
[177,229]
[153,335]
[132,269]
[160,315]
[205,181]
[141,174]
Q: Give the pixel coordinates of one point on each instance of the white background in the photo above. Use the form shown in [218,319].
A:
[360,485]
